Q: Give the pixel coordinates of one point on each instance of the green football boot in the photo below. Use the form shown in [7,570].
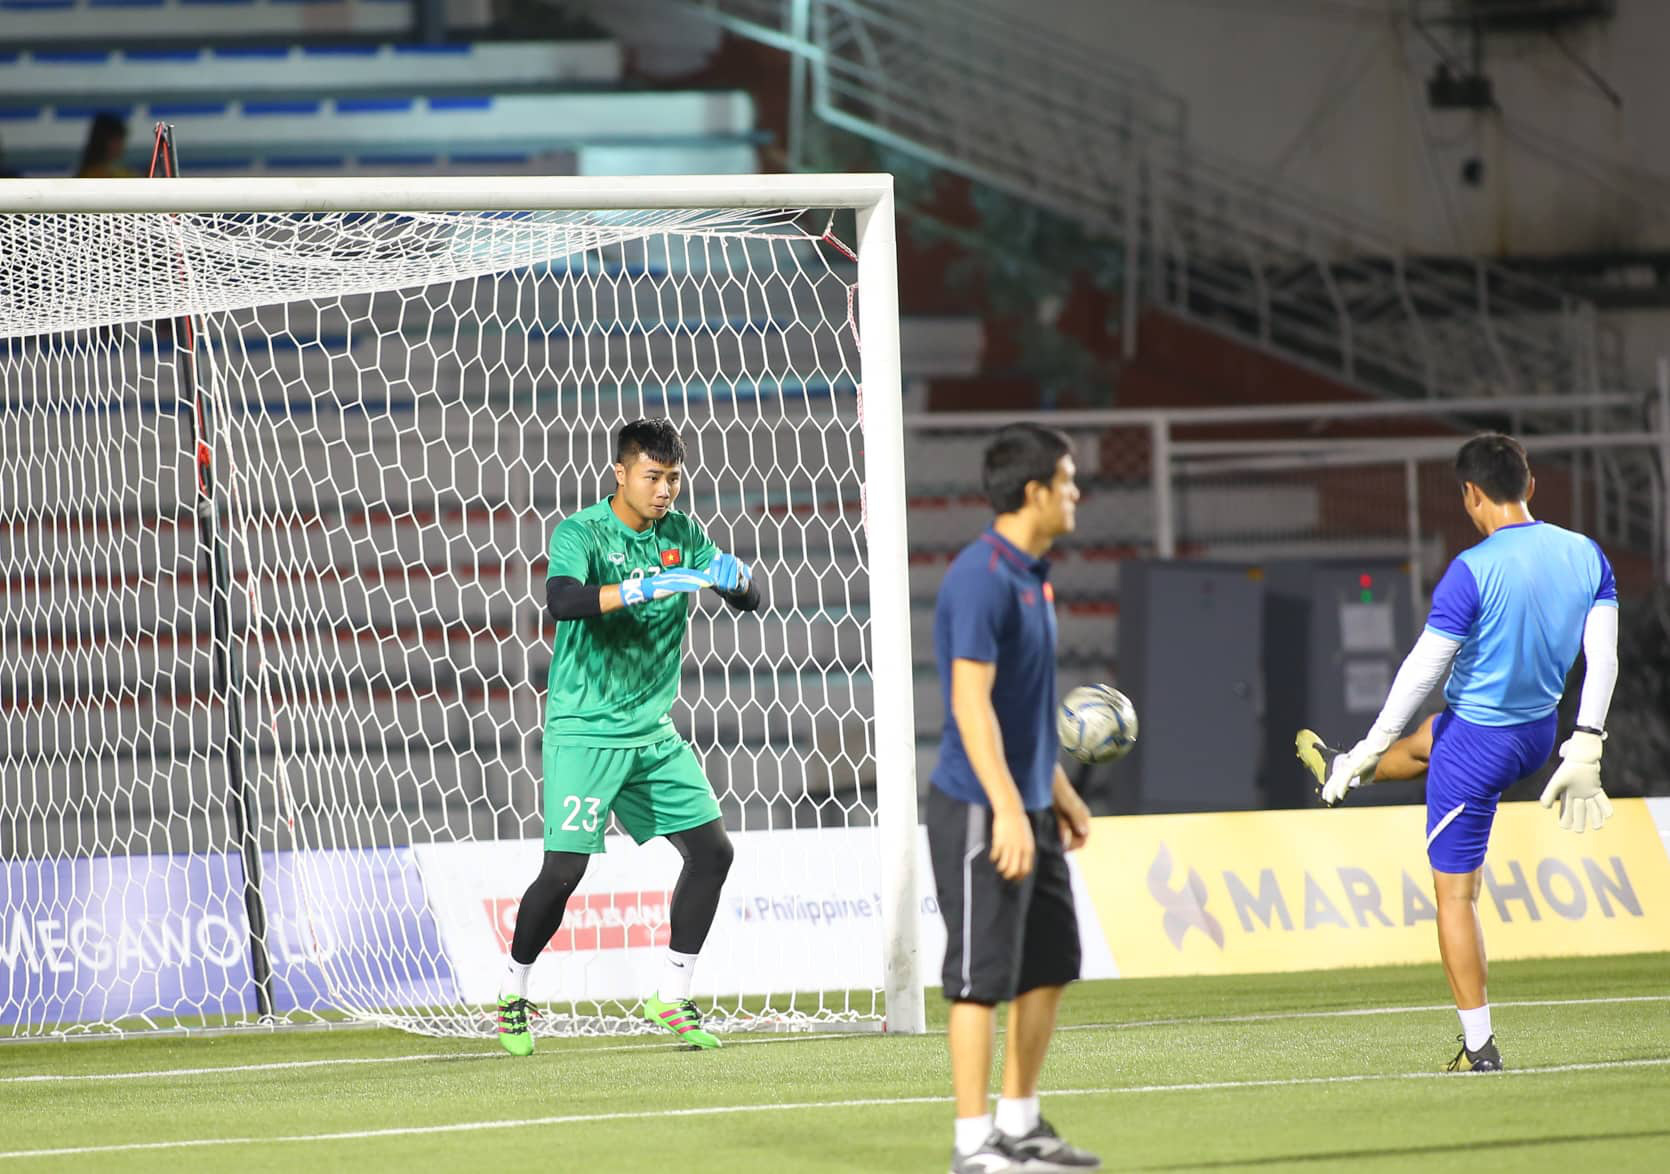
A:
[1486,1059]
[682,1019]
[514,1032]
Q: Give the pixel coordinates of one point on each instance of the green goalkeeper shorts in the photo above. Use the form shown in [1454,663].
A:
[653,790]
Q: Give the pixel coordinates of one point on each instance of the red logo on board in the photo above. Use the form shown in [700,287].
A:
[599,921]
[671,558]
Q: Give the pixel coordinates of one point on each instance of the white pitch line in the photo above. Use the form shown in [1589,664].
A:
[1351,1012]
[799,1106]
[215,1070]
[1121,1025]
[416,1057]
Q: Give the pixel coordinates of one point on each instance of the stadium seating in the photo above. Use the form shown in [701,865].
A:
[418,133]
[338,87]
[101,21]
[206,73]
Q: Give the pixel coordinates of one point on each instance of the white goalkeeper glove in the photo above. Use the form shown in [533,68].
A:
[1576,784]
[1355,767]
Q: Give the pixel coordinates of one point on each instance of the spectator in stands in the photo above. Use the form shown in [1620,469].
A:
[107,141]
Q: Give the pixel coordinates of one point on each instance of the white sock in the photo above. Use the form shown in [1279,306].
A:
[972,1133]
[677,972]
[1017,1117]
[1475,1026]
[515,981]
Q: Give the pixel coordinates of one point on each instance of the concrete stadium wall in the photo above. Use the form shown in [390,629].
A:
[1333,96]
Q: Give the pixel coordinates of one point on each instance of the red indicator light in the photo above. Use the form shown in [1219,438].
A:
[1365,581]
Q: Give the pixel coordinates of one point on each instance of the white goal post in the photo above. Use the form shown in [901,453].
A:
[278,459]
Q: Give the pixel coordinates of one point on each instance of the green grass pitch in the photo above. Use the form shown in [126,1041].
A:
[1329,1070]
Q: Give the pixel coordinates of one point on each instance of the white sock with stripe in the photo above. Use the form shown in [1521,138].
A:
[677,973]
[1475,1026]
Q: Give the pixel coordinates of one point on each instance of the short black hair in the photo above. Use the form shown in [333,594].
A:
[1017,456]
[1496,463]
[106,128]
[657,439]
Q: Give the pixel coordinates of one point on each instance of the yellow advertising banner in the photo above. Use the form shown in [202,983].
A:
[1241,892]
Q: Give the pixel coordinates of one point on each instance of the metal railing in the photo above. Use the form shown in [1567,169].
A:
[979,92]
[1179,452]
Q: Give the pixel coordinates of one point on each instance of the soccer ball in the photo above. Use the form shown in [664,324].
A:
[1096,723]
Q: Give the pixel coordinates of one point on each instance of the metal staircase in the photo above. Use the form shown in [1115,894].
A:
[1009,105]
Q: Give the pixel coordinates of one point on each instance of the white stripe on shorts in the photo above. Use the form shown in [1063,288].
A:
[973,845]
[1449,818]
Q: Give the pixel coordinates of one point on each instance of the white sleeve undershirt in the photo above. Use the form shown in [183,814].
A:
[1422,669]
[1600,672]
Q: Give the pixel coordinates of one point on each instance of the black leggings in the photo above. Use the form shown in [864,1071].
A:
[707,856]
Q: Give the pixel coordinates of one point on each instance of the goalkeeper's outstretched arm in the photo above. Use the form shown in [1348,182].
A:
[1422,669]
[1419,675]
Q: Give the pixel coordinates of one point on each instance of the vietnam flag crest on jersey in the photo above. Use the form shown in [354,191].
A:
[672,557]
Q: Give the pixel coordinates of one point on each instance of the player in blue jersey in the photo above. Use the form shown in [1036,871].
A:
[1001,815]
[1506,622]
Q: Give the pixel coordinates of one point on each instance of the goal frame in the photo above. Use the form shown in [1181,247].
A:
[870,196]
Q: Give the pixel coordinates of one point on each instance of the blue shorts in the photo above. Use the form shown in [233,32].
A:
[1471,766]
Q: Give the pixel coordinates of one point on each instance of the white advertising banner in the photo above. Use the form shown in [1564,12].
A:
[800,912]
[1660,809]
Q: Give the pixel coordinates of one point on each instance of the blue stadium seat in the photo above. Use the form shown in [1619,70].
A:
[601,132]
[34,22]
[215,72]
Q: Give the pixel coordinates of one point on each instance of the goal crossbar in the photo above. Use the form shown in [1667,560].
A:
[446,193]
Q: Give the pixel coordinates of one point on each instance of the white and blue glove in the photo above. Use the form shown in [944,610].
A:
[677,581]
[1355,767]
[730,574]
[1576,784]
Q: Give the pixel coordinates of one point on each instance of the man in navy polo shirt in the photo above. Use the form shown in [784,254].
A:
[1001,814]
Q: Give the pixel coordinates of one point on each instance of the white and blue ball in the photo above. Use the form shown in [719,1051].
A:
[1096,723]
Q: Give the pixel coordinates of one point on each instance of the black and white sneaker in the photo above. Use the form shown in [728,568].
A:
[1046,1153]
[996,1155]
[1486,1059]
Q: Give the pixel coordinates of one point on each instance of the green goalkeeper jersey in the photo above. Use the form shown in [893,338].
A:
[614,677]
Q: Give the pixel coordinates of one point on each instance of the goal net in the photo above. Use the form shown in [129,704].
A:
[277,486]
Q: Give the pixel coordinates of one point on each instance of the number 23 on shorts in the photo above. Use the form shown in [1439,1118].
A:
[574,820]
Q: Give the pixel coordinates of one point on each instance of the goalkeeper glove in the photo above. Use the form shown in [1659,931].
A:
[659,586]
[730,574]
[1355,767]
[1577,784]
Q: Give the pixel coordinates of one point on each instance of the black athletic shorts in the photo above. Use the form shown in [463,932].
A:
[1002,938]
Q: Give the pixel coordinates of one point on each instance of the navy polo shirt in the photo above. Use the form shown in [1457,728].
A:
[996,606]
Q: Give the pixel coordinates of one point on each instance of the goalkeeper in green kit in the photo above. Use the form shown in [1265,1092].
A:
[619,582]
